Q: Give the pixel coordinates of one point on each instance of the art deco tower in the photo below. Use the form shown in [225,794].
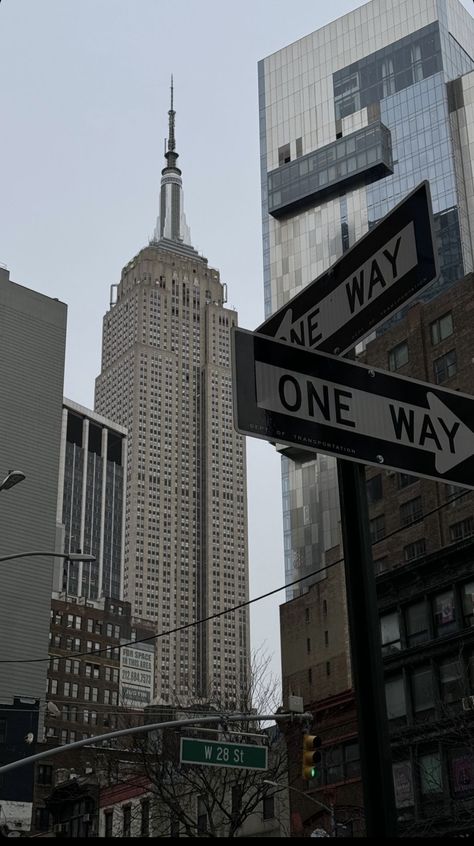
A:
[166,376]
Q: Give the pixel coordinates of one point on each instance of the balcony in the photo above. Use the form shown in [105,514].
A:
[358,158]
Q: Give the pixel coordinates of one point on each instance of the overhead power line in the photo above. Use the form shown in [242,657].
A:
[239,607]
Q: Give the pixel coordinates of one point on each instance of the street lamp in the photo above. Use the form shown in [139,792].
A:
[329,808]
[68,556]
[11,479]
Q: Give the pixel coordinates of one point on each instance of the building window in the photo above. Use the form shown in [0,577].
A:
[462,772]
[381,565]
[145,818]
[454,494]
[352,759]
[390,633]
[284,154]
[44,774]
[451,681]
[374,489]
[308,645]
[398,356]
[127,820]
[430,774]
[441,328]
[328,668]
[403,784]
[405,479]
[414,550]
[445,367]
[41,819]
[468,603]
[445,613]
[411,511]
[395,698]
[422,691]
[334,764]
[377,528]
[109,823]
[269,807]
[463,529]
[416,623]
[326,638]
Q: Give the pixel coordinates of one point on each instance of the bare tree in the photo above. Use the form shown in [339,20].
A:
[214,801]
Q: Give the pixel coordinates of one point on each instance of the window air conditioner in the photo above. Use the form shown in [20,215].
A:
[468,703]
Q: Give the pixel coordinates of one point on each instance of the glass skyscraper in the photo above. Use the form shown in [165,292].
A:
[353,117]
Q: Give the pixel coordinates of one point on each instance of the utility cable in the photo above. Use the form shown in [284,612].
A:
[216,615]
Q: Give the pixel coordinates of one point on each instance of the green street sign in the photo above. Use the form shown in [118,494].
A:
[215,754]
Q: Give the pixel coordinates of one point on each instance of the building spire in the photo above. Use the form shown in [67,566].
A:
[171,114]
[171,223]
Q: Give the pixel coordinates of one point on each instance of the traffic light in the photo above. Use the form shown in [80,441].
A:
[311,756]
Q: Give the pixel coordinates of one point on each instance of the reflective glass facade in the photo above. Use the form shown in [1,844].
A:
[359,158]
[410,68]
[92,507]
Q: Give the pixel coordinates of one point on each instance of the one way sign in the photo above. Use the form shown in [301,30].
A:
[336,406]
[381,272]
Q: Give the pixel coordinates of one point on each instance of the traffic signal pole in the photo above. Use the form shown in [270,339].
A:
[366,652]
[149,727]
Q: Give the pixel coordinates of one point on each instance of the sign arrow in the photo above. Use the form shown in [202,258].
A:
[431,427]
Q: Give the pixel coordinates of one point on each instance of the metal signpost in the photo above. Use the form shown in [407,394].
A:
[216,754]
[381,272]
[370,417]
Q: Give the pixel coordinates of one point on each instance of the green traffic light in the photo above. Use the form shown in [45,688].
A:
[311,756]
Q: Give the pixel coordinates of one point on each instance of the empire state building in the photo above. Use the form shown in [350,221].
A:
[166,376]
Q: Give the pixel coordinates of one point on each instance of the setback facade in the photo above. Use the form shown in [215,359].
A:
[166,377]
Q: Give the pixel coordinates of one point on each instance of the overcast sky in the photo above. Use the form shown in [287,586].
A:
[84,101]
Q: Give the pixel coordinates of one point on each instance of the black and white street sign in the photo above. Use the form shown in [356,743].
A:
[380,273]
[333,405]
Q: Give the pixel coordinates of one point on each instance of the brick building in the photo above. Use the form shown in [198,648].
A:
[88,640]
[423,552]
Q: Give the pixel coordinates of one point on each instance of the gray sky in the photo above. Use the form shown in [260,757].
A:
[84,101]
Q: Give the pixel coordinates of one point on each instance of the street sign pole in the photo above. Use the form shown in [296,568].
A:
[366,653]
[337,406]
[380,273]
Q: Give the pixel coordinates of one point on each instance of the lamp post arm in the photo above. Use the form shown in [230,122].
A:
[69,556]
[194,721]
